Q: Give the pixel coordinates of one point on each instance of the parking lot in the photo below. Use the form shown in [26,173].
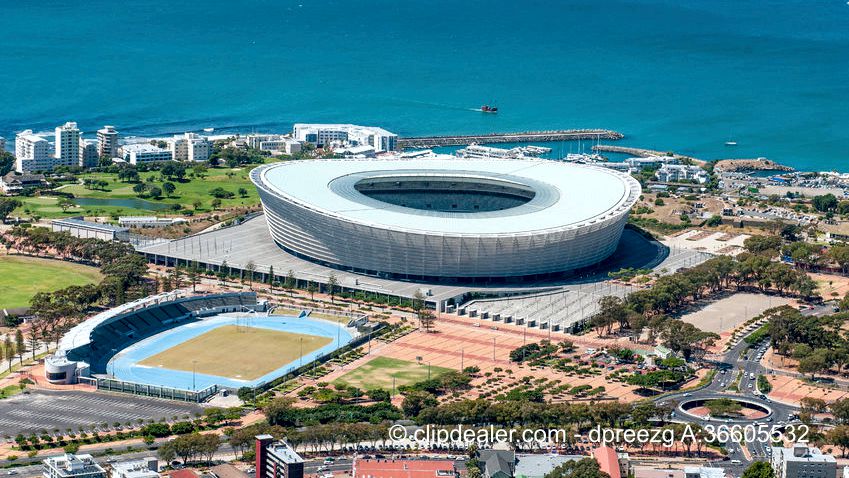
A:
[60,410]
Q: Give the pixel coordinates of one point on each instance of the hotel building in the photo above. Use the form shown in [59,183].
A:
[32,153]
[67,145]
[324,135]
[189,147]
[107,141]
[145,153]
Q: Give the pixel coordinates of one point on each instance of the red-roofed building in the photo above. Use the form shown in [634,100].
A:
[611,462]
[388,468]
[184,473]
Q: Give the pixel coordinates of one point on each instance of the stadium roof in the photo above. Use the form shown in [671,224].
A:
[568,196]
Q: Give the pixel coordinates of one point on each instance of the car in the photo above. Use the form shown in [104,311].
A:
[687,394]
[322,468]
[328,461]
[12,472]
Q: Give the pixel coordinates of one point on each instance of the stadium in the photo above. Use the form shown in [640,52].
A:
[444,220]
[176,345]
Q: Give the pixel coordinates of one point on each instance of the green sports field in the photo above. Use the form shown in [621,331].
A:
[22,277]
[379,372]
[244,353]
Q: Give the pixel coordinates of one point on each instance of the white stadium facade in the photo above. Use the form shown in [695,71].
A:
[469,220]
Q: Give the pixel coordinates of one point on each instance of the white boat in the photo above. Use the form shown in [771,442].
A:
[208,130]
[731,143]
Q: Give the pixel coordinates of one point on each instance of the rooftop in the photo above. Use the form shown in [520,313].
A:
[388,468]
[540,465]
[608,460]
[88,224]
[567,196]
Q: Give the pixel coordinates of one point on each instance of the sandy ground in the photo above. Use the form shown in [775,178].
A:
[726,314]
[459,343]
[728,243]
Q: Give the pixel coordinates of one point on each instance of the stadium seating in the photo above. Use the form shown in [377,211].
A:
[121,331]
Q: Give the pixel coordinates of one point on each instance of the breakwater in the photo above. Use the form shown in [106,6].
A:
[522,137]
[643,152]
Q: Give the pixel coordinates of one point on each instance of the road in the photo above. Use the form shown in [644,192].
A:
[746,364]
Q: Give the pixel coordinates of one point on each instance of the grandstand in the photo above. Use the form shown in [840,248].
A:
[87,348]
[557,310]
[564,309]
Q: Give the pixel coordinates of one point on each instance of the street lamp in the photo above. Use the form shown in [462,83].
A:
[193,374]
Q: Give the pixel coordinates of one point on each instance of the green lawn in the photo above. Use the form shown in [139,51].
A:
[379,372]
[188,191]
[22,277]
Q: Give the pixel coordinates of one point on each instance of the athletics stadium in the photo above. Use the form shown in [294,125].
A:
[177,345]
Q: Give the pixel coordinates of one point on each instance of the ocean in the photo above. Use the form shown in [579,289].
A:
[685,75]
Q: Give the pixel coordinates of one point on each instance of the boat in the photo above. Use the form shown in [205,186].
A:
[489,109]
[208,130]
[731,143]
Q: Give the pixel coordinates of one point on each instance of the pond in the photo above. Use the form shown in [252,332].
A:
[128,203]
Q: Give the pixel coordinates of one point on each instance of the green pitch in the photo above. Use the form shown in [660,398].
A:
[22,277]
[379,373]
[243,353]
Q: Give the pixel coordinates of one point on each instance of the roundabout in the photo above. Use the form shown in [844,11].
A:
[725,408]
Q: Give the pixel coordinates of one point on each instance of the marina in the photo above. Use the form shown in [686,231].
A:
[521,137]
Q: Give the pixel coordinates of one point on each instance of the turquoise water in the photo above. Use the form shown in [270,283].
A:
[686,75]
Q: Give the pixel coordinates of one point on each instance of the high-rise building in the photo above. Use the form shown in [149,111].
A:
[802,461]
[189,147]
[107,141]
[89,156]
[68,144]
[276,459]
[72,466]
[32,152]
[2,144]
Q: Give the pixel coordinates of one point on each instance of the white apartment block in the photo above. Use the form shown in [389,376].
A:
[144,468]
[145,153]
[346,135]
[68,144]
[275,143]
[89,156]
[33,153]
[802,461]
[2,144]
[190,147]
[72,466]
[107,141]
[681,172]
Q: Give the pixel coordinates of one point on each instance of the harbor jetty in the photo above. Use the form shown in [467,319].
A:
[645,153]
[523,137]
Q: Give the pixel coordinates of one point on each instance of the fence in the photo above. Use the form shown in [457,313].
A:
[112,385]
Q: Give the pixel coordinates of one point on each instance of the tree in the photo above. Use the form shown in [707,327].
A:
[332,282]
[250,268]
[583,468]
[271,278]
[758,469]
[7,162]
[6,208]
[154,192]
[140,188]
[416,401]
[724,407]
[9,351]
[825,202]
[312,289]
[169,188]
[839,436]
[289,282]
[65,204]
[20,345]
[243,192]
[815,362]
[216,203]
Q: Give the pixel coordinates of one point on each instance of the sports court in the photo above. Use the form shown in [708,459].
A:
[231,350]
